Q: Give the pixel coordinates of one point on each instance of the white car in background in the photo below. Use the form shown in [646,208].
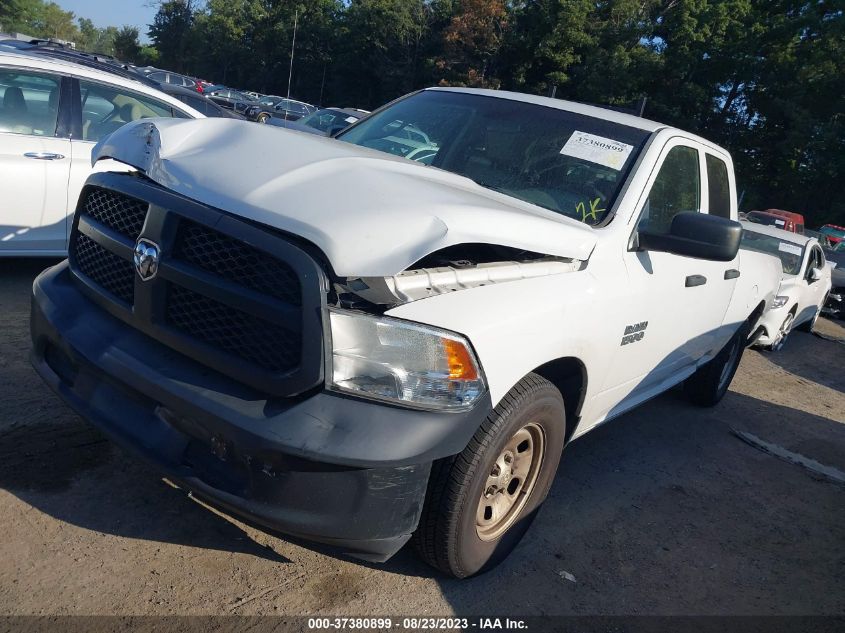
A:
[804,287]
[52,113]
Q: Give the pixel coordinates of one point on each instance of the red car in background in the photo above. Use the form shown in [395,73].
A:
[796,220]
[775,218]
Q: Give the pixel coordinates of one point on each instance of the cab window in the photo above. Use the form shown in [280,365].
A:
[29,103]
[676,189]
[106,108]
[718,187]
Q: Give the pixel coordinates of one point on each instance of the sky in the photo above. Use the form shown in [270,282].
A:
[113,12]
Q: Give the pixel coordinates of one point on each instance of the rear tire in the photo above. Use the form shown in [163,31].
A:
[709,384]
[480,503]
[262,118]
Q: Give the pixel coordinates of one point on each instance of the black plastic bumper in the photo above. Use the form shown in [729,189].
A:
[327,468]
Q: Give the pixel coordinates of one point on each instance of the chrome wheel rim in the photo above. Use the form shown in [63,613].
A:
[510,481]
[783,332]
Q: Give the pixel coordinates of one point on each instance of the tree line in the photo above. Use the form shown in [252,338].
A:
[765,78]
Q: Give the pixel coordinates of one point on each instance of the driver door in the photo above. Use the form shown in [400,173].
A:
[677,303]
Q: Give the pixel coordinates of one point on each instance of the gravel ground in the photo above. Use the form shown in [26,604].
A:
[663,511]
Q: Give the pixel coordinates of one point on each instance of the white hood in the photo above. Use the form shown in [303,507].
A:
[372,214]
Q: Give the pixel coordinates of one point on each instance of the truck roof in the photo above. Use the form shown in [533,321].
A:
[606,114]
[572,106]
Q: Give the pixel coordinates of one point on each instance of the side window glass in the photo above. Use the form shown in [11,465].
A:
[718,187]
[676,189]
[29,103]
[105,109]
[817,261]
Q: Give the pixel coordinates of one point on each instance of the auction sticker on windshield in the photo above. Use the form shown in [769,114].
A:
[792,249]
[597,149]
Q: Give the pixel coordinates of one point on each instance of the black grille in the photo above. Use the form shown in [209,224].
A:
[117,211]
[270,346]
[237,262]
[113,273]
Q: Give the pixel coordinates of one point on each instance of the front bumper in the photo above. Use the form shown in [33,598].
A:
[323,467]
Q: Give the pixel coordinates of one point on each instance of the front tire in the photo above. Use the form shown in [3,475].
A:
[709,384]
[262,118]
[480,503]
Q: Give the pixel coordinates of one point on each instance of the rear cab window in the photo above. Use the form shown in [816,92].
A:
[718,187]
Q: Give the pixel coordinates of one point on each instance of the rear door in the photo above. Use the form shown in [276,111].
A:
[34,163]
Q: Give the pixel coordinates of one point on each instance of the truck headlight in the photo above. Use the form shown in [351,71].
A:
[779,302]
[403,362]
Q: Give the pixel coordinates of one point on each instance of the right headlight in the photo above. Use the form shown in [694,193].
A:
[779,302]
[403,362]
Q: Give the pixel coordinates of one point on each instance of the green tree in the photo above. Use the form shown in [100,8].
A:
[170,32]
[126,44]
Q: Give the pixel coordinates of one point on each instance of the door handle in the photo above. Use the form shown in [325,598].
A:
[695,280]
[44,155]
[731,273]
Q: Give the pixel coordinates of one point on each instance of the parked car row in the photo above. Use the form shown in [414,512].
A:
[325,122]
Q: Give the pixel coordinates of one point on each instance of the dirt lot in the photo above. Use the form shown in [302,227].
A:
[664,511]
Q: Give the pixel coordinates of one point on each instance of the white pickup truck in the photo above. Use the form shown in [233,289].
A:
[355,348]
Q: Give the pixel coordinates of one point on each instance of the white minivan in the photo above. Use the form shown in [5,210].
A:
[52,113]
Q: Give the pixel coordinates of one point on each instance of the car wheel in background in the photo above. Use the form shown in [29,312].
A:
[480,503]
[262,118]
[783,333]
[709,384]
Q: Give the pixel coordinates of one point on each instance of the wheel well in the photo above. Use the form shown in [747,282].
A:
[570,377]
[757,313]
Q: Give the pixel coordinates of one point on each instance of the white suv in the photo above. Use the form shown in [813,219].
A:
[52,113]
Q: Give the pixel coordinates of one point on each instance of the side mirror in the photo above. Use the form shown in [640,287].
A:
[699,235]
[815,274]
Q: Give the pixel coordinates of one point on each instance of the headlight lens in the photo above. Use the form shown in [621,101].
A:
[779,302]
[403,362]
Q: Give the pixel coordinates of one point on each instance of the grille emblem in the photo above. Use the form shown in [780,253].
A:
[146,259]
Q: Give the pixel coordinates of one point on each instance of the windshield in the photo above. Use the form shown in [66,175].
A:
[789,253]
[835,232]
[323,120]
[569,163]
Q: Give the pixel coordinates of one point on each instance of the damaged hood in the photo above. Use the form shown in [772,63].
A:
[372,214]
